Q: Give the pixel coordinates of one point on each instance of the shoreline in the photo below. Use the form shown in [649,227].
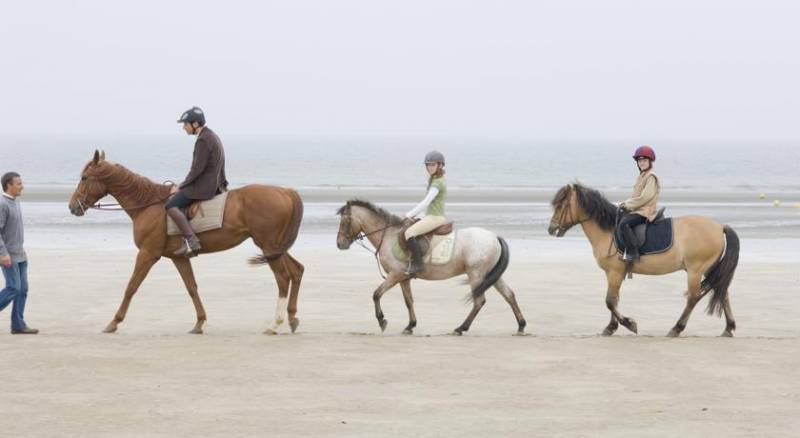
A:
[787,197]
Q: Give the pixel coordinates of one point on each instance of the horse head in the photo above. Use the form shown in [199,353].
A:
[90,188]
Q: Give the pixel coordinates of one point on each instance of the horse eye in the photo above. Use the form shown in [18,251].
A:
[83,178]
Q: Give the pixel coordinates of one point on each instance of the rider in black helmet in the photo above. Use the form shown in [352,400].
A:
[205,180]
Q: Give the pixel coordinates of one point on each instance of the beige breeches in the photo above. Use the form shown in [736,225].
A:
[425,225]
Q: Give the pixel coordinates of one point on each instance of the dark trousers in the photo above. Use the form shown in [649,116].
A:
[627,223]
[179,200]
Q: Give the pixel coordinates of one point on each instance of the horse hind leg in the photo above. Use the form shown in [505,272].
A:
[730,323]
[507,293]
[296,270]
[283,278]
[692,297]
[477,304]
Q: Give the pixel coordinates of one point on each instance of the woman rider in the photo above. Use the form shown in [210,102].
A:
[433,205]
[641,206]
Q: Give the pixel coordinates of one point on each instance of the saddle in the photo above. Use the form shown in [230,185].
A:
[424,239]
[202,215]
[193,210]
[652,237]
[196,207]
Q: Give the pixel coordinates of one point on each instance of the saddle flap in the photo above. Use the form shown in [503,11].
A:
[443,230]
[194,209]
[653,238]
[660,214]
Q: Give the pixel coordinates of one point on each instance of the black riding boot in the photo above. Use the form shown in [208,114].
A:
[631,244]
[415,266]
[191,244]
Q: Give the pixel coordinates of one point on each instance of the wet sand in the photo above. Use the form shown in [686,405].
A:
[339,376]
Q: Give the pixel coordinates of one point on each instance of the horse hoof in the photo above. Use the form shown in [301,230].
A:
[293,324]
[457,332]
[408,332]
[521,333]
[383,323]
[673,333]
[726,334]
[110,328]
[196,331]
[608,332]
[630,324]
[271,332]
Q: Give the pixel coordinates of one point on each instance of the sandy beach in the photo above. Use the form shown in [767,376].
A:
[339,376]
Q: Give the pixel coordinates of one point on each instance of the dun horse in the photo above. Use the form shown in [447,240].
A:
[269,215]
[706,250]
[480,254]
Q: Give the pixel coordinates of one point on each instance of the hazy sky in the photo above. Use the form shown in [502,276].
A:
[725,70]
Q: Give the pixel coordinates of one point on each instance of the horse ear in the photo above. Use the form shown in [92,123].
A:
[96,158]
[102,155]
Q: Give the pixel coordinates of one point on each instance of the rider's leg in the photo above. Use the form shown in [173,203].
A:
[425,225]
[191,242]
[626,225]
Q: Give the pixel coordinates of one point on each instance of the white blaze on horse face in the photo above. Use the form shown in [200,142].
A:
[280,314]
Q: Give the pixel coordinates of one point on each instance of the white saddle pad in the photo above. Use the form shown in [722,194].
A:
[208,217]
[441,249]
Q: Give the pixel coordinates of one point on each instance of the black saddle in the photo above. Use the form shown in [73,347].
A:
[653,237]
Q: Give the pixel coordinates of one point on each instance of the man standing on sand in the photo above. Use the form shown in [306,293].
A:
[13,260]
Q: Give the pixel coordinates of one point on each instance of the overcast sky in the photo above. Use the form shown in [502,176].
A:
[726,70]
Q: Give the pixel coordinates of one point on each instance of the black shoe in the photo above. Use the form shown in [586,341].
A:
[25,331]
[191,246]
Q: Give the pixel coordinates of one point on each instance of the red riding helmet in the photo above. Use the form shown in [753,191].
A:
[646,152]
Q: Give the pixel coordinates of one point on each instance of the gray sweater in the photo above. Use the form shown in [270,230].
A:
[11,234]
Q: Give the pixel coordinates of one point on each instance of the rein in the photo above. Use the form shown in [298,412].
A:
[360,240]
[117,206]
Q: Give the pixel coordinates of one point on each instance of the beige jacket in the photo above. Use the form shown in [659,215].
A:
[644,200]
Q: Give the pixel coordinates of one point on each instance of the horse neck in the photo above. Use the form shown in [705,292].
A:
[598,237]
[132,191]
[376,228]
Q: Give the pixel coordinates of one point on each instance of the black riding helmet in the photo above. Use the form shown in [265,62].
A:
[193,114]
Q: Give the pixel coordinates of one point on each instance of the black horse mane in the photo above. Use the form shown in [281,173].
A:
[390,218]
[592,202]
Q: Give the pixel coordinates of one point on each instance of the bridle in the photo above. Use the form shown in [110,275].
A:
[361,235]
[84,205]
[561,226]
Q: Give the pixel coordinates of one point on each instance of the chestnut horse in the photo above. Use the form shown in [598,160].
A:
[706,250]
[270,215]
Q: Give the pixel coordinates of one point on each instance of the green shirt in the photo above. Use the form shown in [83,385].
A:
[436,207]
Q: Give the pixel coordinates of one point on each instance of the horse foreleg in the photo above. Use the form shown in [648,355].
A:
[184,267]
[387,284]
[144,262]
[692,297]
[612,300]
[511,299]
[405,285]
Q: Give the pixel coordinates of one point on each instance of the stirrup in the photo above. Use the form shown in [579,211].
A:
[186,250]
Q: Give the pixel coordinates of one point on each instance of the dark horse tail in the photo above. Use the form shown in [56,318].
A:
[497,271]
[719,276]
[289,234]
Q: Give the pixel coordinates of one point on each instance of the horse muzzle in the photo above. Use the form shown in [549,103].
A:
[77,210]
[556,230]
